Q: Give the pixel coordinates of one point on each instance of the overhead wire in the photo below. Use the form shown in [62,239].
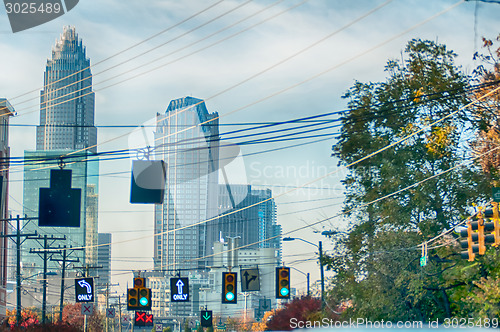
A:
[332,67]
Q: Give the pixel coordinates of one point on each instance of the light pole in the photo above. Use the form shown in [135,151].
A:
[307,276]
[320,248]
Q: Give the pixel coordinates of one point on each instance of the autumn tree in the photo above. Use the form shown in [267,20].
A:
[300,309]
[410,129]
[487,110]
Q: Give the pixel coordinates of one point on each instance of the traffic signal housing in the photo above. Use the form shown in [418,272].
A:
[478,234]
[139,297]
[229,287]
[144,299]
[282,282]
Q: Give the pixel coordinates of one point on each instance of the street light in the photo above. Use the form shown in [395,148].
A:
[307,276]
[330,233]
[320,248]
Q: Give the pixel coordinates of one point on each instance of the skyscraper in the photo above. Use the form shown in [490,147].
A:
[104,260]
[67,99]
[252,219]
[66,127]
[188,141]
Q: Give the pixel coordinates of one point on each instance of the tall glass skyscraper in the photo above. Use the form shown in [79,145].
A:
[67,99]
[66,126]
[188,142]
[252,219]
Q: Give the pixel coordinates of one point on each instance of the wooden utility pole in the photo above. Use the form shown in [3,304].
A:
[18,243]
[44,253]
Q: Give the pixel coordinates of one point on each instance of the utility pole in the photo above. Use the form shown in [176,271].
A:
[86,269]
[107,301]
[64,260]
[18,243]
[308,290]
[320,247]
[44,254]
[120,313]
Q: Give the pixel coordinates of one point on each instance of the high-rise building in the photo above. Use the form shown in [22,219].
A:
[187,139]
[6,110]
[66,128]
[104,260]
[248,214]
[67,99]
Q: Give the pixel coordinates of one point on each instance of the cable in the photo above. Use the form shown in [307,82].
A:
[127,49]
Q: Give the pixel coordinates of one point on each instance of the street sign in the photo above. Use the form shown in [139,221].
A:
[125,319]
[84,289]
[496,194]
[264,305]
[250,280]
[179,289]
[159,327]
[143,319]
[206,318]
[110,313]
[423,261]
[87,309]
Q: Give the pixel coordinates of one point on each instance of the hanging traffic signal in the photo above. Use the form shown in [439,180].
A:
[229,289]
[478,234]
[144,299]
[282,282]
[494,225]
[139,297]
[139,282]
[132,299]
[143,319]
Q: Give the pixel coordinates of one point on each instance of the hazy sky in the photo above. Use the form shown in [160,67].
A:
[182,62]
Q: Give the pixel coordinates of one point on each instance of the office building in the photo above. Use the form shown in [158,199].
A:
[186,138]
[248,214]
[66,129]
[104,260]
[67,100]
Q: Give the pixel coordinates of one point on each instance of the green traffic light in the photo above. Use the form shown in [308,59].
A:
[284,291]
[143,301]
[229,296]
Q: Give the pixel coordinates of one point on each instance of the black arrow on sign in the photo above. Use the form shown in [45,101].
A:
[248,281]
[265,305]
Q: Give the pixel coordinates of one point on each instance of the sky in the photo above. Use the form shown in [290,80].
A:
[251,61]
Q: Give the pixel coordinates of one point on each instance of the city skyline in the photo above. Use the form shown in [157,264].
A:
[137,100]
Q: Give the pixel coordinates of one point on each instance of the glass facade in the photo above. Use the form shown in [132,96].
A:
[187,141]
[66,128]
[254,224]
[67,100]
[84,176]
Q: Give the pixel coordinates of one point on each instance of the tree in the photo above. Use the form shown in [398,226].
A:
[304,309]
[423,96]
[29,317]
[488,110]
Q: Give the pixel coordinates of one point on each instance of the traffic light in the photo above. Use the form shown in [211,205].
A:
[139,282]
[469,242]
[143,319]
[282,282]
[494,225]
[478,234]
[144,299]
[132,299]
[206,318]
[229,289]
[139,297]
